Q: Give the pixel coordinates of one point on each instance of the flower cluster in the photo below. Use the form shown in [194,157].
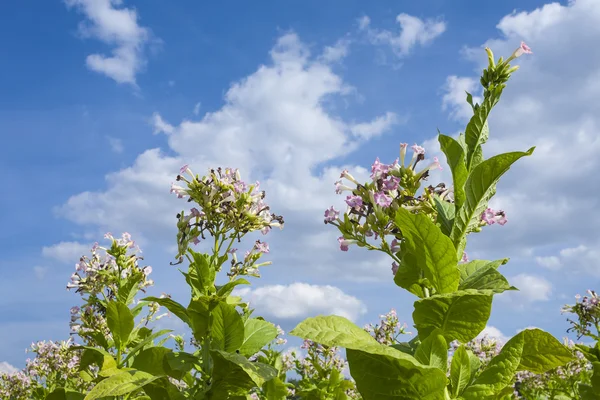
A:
[490,217]
[326,358]
[587,310]
[227,205]
[248,265]
[17,386]
[388,330]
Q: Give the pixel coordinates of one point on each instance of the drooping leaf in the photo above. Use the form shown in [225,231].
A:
[433,251]
[227,288]
[120,322]
[380,372]
[234,375]
[471,267]
[461,315]
[93,355]
[227,328]
[479,188]
[120,384]
[486,278]
[257,334]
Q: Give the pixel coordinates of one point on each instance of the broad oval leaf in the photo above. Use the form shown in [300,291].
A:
[120,384]
[433,351]
[227,328]
[120,322]
[257,334]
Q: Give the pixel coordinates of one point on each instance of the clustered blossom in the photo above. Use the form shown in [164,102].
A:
[54,364]
[248,266]
[388,330]
[371,206]
[227,205]
[587,310]
[484,347]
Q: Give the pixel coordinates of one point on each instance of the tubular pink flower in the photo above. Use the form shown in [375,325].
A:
[347,175]
[355,202]
[261,247]
[383,200]
[331,214]
[403,147]
[464,258]
[378,170]
[392,183]
[184,169]
[522,49]
[339,187]
[395,267]
[395,246]
[344,243]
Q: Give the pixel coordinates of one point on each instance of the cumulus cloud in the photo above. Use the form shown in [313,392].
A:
[336,52]
[117,26]
[300,300]
[494,333]
[532,288]
[7,368]
[66,252]
[413,31]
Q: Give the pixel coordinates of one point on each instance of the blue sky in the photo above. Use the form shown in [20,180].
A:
[284,92]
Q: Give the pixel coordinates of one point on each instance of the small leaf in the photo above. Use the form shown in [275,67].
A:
[172,306]
[257,334]
[120,322]
[409,275]
[233,374]
[455,156]
[486,278]
[226,289]
[471,267]
[446,212]
[460,316]
[460,371]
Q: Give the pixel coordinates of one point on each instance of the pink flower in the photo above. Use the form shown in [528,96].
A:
[378,170]
[346,174]
[395,267]
[464,258]
[339,187]
[523,49]
[331,214]
[392,183]
[382,199]
[355,202]
[395,246]
[417,149]
[184,169]
[261,247]
[239,186]
[403,147]
[344,243]
[147,270]
[488,216]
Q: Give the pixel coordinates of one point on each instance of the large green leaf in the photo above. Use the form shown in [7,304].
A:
[120,384]
[128,291]
[479,188]
[257,333]
[486,278]
[227,288]
[172,306]
[446,213]
[433,251]
[151,360]
[541,351]
[380,372]
[93,355]
[202,273]
[227,328]
[234,375]
[64,394]
[455,156]
[275,389]
[199,313]
[433,351]
[409,275]
[120,322]
[460,371]
[460,316]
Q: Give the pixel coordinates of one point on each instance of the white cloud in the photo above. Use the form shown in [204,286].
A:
[300,300]
[108,21]
[336,52]
[379,125]
[532,288]
[160,126]
[66,252]
[7,368]
[494,333]
[116,145]
[455,97]
[413,31]
[550,262]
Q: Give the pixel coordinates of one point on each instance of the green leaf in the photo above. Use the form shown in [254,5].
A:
[257,334]
[477,130]
[455,156]
[182,361]
[433,351]
[275,389]
[460,316]
[120,322]
[227,328]
[163,389]
[541,351]
[172,306]
[471,267]
[479,188]
[233,374]
[380,372]
[128,291]
[460,371]
[486,278]
[433,251]
[120,384]
[587,392]
[151,360]
[202,274]
[199,313]
[409,275]
[147,340]
[446,212]
[93,355]
[226,289]
[64,394]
